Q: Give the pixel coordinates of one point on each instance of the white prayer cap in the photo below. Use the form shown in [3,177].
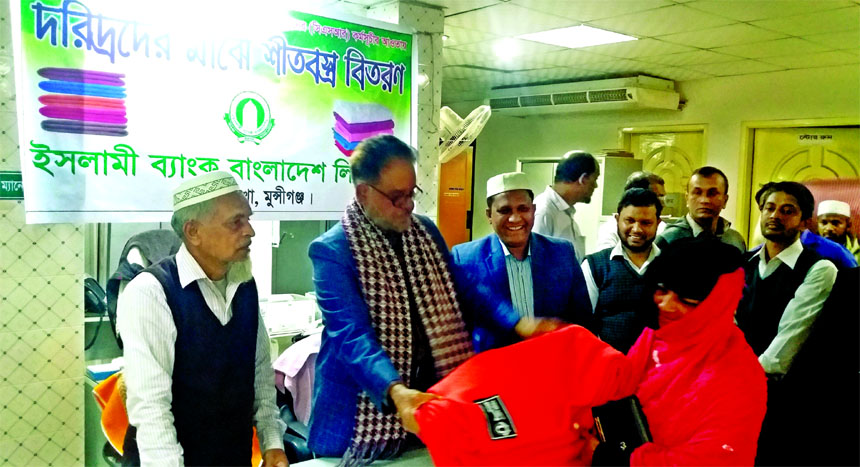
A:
[831,206]
[507,182]
[203,188]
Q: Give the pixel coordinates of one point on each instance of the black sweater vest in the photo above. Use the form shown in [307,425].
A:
[624,307]
[213,371]
[765,300]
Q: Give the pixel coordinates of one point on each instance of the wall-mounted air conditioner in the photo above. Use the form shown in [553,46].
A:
[638,92]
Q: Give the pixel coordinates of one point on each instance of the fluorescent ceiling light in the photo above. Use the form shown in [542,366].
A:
[506,49]
[576,36]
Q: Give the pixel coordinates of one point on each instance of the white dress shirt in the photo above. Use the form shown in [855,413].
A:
[617,250]
[520,282]
[554,217]
[801,311]
[146,324]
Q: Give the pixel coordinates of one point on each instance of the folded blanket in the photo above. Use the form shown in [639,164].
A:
[346,152]
[362,127]
[357,112]
[356,136]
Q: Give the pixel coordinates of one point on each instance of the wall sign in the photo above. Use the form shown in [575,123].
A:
[119,102]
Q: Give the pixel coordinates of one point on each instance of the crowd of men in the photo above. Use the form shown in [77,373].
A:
[718,339]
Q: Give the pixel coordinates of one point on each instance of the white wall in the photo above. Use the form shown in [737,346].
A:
[722,104]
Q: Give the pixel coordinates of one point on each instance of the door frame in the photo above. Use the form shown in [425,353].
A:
[745,162]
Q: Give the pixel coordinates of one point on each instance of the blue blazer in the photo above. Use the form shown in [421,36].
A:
[350,360]
[485,296]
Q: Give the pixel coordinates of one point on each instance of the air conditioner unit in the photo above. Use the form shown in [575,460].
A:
[638,92]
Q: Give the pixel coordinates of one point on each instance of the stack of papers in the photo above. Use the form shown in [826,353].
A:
[287,315]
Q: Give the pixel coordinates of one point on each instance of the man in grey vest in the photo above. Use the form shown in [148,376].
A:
[787,286]
[614,276]
[706,197]
[197,367]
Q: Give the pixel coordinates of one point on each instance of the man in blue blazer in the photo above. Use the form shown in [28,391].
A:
[516,283]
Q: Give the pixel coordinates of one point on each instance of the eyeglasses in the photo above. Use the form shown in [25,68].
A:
[398,198]
[686,301]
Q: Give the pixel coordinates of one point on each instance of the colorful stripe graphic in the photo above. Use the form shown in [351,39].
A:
[83,102]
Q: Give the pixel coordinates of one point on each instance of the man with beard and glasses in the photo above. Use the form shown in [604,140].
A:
[787,286]
[197,367]
[393,325]
[706,197]
[615,276]
[516,283]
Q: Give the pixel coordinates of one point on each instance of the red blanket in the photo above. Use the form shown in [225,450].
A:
[701,386]
[525,404]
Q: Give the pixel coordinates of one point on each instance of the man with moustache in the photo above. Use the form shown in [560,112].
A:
[575,181]
[706,197]
[197,366]
[393,325]
[615,276]
[787,286]
[516,283]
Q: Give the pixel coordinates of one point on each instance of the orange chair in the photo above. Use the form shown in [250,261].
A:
[110,395]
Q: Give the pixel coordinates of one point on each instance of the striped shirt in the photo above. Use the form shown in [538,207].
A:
[520,282]
[146,324]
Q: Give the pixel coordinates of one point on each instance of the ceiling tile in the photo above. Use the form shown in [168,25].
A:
[660,21]
[675,73]
[837,40]
[620,65]
[572,57]
[722,36]
[814,60]
[640,48]
[589,10]
[741,67]
[843,19]
[462,36]
[779,47]
[452,7]
[745,10]
[461,72]
[697,57]
[508,20]
[521,47]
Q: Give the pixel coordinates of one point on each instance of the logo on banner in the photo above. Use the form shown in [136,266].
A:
[499,422]
[249,117]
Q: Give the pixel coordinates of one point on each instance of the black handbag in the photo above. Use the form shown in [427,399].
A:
[622,424]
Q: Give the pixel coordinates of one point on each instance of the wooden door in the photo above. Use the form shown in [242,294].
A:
[800,155]
[455,198]
[672,155]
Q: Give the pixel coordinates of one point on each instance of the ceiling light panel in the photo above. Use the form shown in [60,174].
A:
[575,37]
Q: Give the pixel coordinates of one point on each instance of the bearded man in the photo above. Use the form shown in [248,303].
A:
[197,367]
[615,276]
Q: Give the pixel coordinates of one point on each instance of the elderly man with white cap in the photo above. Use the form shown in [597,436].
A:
[834,223]
[197,366]
[516,283]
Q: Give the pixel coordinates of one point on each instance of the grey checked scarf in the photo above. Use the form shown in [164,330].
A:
[383,286]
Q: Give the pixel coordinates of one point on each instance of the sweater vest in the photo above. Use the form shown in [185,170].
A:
[622,310]
[765,300]
[213,371]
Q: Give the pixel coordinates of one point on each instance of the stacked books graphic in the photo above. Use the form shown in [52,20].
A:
[354,122]
[83,102]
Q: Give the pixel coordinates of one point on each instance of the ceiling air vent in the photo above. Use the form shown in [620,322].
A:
[570,98]
[533,101]
[635,92]
[608,95]
[505,103]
